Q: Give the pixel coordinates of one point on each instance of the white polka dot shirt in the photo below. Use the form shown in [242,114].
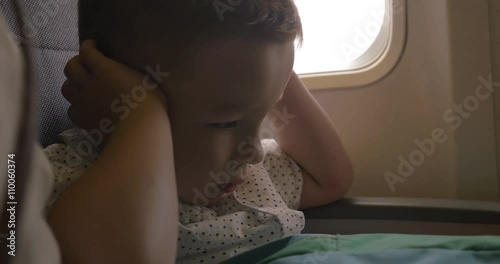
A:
[261,210]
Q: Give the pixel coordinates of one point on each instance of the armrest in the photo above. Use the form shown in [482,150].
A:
[409,209]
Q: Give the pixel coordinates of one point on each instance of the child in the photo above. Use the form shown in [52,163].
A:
[229,67]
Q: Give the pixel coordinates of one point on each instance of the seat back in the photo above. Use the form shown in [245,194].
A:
[52,26]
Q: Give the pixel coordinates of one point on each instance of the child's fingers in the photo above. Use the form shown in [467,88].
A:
[79,117]
[76,72]
[91,57]
[71,93]
[75,115]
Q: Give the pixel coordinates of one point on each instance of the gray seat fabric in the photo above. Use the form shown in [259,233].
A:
[52,26]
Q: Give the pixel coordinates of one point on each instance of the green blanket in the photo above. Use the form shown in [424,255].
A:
[366,243]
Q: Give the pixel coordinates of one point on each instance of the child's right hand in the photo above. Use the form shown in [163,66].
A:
[99,88]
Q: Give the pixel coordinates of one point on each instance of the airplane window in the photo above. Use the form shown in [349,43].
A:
[340,35]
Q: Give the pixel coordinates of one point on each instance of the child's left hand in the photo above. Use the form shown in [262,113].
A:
[306,133]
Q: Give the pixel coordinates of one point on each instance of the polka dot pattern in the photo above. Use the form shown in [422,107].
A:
[68,161]
[261,210]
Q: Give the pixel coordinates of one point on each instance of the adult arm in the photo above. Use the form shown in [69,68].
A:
[124,208]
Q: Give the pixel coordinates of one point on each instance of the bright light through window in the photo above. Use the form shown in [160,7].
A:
[337,33]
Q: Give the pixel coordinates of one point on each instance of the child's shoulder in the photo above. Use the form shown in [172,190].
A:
[275,158]
[284,173]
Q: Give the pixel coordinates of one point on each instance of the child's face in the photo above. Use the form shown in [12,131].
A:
[217,108]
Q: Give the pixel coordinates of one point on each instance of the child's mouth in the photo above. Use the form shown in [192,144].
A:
[230,187]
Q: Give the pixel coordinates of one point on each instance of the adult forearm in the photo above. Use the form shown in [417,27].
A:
[124,208]
[311,139]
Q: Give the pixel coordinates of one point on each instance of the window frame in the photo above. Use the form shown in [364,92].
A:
[380,65]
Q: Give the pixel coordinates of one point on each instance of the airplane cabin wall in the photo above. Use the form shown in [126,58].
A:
[447,56]
[494,16]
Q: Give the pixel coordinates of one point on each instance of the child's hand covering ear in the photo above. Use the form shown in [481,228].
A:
[100,89]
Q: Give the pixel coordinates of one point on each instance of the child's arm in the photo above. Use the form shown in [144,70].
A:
[310,139]
[124,208]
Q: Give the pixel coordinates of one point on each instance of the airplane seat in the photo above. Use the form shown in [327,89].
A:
[52,28]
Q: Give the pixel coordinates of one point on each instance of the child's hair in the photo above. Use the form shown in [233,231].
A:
[178,23]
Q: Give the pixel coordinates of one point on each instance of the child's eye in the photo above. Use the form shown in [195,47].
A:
[227,125]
